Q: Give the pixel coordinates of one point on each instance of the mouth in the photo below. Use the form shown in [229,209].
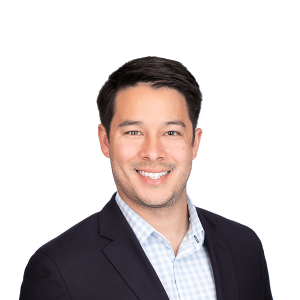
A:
[153,176]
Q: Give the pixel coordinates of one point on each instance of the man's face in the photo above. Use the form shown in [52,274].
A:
[151,134]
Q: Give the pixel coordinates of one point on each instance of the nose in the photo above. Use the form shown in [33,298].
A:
[152,149]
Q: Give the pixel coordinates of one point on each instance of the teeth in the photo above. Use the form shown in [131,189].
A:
[153,175]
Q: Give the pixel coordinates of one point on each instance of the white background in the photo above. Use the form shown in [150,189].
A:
[56,55]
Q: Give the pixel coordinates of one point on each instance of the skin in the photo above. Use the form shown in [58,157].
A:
[153,145]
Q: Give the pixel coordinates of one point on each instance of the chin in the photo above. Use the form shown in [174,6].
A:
[154,203]
[157,199]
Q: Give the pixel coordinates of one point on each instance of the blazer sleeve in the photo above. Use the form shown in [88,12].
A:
[267,295]
[42,280]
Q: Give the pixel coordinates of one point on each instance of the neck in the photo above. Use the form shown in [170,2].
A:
[172,222]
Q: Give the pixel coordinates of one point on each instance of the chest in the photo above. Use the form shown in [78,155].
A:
[188,275]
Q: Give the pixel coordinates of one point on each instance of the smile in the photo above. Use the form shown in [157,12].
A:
[153,175]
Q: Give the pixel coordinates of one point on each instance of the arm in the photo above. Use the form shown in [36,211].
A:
[267,295]
[43,280]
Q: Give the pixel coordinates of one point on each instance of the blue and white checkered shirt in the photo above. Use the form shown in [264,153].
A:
[188,276]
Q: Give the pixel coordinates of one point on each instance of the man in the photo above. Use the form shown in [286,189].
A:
[149,241]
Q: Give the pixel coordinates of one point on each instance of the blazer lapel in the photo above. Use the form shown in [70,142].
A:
[127,255]
[221,261]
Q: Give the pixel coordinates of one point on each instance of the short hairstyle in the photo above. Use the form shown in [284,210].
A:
[158,72]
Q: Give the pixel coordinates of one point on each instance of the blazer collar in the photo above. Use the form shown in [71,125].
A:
[221,260]
[126,254]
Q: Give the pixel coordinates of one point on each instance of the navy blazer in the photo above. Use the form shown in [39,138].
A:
[101,258]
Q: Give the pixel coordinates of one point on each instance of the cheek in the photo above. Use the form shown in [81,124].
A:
[182,155]
[126,151]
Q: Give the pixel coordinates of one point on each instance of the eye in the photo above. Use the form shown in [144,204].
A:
[172,133]
[133,132]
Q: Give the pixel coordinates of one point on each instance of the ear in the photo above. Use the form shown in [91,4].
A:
[103,139]
[198,133]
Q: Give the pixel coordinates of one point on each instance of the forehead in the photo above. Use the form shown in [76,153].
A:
[144,102]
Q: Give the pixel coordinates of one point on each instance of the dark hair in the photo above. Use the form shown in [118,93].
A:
[158,72]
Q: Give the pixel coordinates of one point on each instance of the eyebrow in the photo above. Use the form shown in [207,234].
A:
[180,123]
[131,122]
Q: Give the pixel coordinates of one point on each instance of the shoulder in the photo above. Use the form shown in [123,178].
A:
[84,239]
[231,230]
[245,252]
[74,241]
[52,268]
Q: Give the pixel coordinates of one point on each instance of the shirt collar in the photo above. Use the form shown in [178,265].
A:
[143,230]
[195,233]
[140,227]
